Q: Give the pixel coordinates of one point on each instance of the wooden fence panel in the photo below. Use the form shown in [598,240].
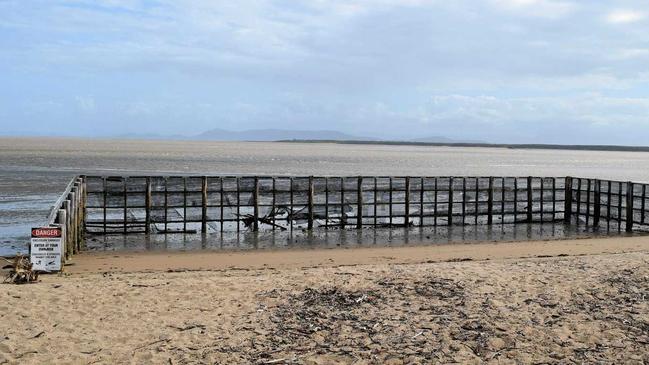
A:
[144,204]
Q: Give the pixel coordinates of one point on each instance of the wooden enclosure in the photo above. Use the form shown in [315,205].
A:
[157,204]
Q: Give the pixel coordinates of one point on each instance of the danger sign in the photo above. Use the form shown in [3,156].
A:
[46,248]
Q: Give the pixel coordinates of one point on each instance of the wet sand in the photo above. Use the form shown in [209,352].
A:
[420,305]
[142,261]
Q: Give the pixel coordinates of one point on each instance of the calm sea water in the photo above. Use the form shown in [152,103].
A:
[33,172]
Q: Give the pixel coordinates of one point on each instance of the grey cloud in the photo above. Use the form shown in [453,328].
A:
[494,69]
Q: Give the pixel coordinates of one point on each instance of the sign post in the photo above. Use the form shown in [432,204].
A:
[45,253]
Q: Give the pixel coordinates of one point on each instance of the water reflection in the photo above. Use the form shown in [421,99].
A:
[331,238]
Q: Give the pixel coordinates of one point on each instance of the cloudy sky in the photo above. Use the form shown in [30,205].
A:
[521,71]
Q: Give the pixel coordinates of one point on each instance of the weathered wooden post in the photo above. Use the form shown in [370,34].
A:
[66,224]
[185,204]
[435,201]
[542,200]
[629,206]
[147,204]
[61,219]
[477,200]
[530,199]
[578,210]
[125,226]
[221,203]
[407,205]
[450,201]
[78,212]
[343,217]
[310,203]
[515,200]
[421,203]
[503,197]
[490,202]
[609,196]
[375,201]
[71,218]
[204,204]
[255,202]
[289,216]
[567,209]
[390,202]
[589,185]
[84,202]
[238,180]
[359,202]
[326,182]
[643,204]
[166,204]
[619,206]
[597,211]
[554,199]
[463,200]
[105,204]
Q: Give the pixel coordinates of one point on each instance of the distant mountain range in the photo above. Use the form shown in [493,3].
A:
[267,135]
[275,135]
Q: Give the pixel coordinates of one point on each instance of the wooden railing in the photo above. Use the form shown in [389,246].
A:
[69,213]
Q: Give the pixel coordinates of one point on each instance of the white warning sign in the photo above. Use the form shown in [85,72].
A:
[46,249]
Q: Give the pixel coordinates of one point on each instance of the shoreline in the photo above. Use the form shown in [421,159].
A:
[292,259]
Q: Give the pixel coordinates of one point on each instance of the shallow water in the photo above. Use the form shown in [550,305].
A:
[34,171]
[331,238]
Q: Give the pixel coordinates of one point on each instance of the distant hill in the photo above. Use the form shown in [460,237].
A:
[275,135]
[441,139]
[271,135]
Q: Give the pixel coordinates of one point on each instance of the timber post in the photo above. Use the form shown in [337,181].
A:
[407,203]
[255,202]
[359,202]
[450,202]
[147,203]
[567,210]
[597,210]
[310,203]
[490,202]
[629,206]
[530,200]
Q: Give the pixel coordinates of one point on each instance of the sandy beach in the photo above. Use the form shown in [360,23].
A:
[577,301]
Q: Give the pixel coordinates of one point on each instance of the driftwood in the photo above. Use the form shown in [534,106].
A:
[20,271]
[249,219]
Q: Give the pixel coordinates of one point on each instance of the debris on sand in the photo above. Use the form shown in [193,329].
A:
[20,271]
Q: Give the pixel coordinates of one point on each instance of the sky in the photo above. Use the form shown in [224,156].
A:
[502,71]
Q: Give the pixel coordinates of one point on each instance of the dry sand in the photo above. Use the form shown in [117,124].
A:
[585,304]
